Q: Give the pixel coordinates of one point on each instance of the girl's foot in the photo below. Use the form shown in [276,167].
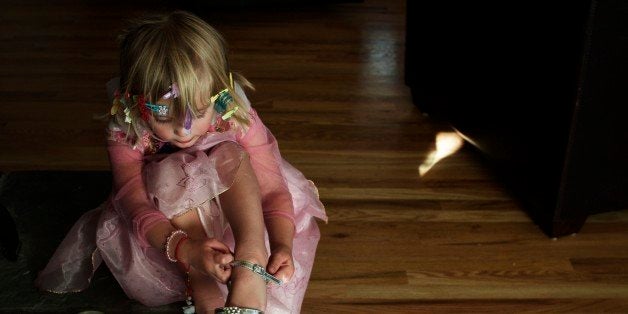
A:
[205,292]
[247,288]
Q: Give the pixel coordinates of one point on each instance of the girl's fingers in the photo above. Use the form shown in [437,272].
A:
[222,274]
[285,273]
[215,263]
[223,259]
[218,246]
[281,266]
[273,265]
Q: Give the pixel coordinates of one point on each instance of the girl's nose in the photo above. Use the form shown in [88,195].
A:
[182,129]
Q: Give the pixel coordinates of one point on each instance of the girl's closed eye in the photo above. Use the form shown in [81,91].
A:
[201,113]
[163,120]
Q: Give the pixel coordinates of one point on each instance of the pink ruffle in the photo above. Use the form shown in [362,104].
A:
[188,179]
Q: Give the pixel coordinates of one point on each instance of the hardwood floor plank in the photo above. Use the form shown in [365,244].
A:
[587,305]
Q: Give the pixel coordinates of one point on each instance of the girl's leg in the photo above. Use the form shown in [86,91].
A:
[243,208]
[205,292]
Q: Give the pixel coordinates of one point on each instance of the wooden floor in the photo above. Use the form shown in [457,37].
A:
[330,86]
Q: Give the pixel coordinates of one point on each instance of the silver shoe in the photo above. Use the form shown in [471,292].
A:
[237,310]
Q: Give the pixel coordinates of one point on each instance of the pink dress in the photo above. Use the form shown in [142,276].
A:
[152,187]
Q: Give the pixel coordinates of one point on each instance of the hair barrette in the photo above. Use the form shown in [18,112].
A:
[173,92]
[163,110]
[141,102]
[188,121]
[116,103]
[127,115]
[230,113]
[221,100]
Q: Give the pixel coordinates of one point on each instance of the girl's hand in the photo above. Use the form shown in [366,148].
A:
[281,264]
[209,256]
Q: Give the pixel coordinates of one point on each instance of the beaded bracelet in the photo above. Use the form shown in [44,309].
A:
[168,244]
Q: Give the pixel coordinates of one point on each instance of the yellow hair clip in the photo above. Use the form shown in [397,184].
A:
[127,115]
[230,113]
[115,107]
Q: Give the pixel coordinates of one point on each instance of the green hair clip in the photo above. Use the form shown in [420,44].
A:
[222,100]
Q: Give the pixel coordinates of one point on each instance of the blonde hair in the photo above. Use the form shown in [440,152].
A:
[180,48]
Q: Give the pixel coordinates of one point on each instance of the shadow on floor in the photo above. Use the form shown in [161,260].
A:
[44,206]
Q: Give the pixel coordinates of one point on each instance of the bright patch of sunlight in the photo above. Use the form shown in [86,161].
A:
[447,143]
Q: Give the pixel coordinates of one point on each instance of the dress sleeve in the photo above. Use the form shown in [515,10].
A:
[266,160]
[130,199]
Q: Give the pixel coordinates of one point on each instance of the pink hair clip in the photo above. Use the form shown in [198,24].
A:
[188,121]
[173,92]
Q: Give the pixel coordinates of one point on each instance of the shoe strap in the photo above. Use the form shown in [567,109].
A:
[258,269]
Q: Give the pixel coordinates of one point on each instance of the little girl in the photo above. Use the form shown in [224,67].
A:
[201,196]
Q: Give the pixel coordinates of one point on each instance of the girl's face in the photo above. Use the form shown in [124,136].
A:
[172,130]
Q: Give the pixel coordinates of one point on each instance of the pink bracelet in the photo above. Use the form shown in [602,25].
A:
[168,244]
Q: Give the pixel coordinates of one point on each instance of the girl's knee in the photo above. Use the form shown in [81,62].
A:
[228,149]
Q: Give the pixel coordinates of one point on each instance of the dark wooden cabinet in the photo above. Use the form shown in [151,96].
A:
[540,88]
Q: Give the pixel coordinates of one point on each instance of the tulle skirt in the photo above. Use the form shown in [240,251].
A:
[144,273]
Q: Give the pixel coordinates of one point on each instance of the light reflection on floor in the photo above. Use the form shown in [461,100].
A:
[447,143]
